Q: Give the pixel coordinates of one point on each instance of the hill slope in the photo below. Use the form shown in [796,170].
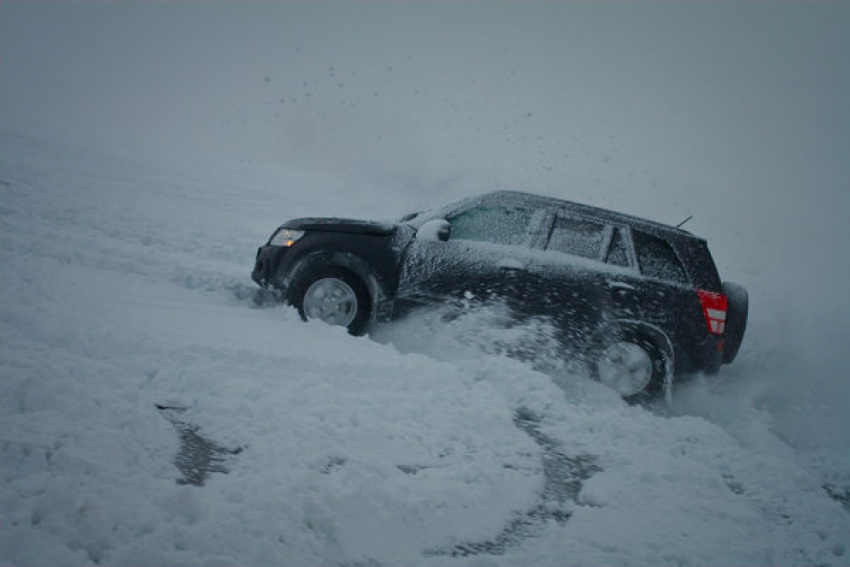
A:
[125,287]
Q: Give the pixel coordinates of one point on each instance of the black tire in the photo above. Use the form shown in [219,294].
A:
[650,368]
[737,309]
[355,307]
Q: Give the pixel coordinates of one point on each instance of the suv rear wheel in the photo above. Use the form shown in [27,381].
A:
[333,295]
[632,365]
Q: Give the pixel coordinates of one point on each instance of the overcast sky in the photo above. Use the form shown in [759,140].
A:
[739,111]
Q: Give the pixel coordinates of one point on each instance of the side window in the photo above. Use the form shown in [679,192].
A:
[618,255]
[577,237]
[502,225]
[657,259]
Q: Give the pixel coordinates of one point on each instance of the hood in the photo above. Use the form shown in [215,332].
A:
[350,226]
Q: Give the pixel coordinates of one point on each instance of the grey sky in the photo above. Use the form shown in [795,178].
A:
[739,110]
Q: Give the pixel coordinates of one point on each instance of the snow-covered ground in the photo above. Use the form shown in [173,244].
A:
[126,244]
[124,286]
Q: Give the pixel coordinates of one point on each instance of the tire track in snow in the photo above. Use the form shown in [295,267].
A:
[563,477]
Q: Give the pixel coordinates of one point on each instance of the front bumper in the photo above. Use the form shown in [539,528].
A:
[266,265]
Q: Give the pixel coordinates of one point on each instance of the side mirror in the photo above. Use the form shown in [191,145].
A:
[434,230]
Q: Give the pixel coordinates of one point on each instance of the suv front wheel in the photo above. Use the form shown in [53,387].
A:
[333,295]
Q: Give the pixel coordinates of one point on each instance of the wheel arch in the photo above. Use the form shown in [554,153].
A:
[346,260]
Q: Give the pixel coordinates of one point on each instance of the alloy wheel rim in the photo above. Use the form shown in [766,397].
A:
[331,300]
[625,367]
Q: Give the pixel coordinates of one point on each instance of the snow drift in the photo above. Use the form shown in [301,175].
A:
[125,286]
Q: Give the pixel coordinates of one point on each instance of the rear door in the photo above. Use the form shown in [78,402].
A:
[580,278]
[607,272]
[595,272]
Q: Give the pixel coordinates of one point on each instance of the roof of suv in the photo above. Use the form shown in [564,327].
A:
[597,212]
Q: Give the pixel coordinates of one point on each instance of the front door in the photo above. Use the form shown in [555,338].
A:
[485,259]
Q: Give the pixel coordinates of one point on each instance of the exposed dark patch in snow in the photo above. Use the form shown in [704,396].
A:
[563,476]
[198,457]
[841,495]
[333,464]
[411,469]
[733,484]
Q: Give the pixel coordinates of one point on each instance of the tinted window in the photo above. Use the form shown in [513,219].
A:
[502,225]
[577,237]
[657,259]
[618,255]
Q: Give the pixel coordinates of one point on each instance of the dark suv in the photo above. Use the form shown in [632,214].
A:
[641,302]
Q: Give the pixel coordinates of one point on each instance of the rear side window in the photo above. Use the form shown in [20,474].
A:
[657,258]
[502,225]
[577,237]
[701,268]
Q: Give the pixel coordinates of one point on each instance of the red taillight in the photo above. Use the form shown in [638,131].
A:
[714,310]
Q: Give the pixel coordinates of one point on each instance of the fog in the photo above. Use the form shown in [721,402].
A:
[733,112]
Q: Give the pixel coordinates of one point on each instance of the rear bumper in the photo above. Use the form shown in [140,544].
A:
[705,357]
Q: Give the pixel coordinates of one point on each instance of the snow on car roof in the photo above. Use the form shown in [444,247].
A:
[607,214]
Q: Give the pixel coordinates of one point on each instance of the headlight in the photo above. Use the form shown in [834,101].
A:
[286,237]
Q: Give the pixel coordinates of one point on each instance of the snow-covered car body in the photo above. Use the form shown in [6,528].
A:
[630,295]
